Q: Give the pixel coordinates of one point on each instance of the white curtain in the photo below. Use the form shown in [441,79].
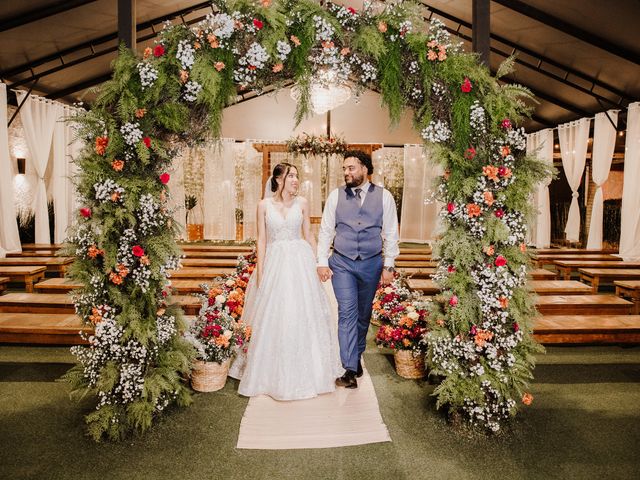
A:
[574,139]
[176,191]
[419,216]
[219,199]
[39,117]
[604,142]
[630,224]
[310,176]
[335,176]
[252,188]
[9,237]
[540,144]
[378,161]
[73,152]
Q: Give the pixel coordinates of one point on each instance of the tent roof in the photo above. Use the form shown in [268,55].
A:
[578,56]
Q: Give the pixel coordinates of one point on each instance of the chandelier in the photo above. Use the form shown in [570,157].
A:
[326,91]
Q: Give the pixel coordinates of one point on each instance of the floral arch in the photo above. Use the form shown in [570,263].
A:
[480,334]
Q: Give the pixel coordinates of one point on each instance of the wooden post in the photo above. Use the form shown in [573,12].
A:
[480,20]
[127,23]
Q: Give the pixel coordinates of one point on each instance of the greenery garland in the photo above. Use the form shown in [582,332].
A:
[175,93]
[306,144]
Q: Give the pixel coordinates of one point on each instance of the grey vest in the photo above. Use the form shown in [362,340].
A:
[359,229]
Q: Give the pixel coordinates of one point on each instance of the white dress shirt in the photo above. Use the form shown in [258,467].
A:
[389,225]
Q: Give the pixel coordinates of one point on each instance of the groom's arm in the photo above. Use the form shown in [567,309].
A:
[327,229]
[390,239]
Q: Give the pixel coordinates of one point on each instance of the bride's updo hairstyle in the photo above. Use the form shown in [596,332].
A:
[280,170]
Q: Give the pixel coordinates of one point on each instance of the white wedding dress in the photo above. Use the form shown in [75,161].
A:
[294,352]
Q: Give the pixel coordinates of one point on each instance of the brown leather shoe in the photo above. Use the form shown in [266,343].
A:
[348,380]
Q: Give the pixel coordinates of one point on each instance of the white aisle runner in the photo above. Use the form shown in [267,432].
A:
[342,418]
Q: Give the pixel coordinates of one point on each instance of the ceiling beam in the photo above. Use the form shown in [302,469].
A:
[481,15]
[557,23]
[542,59]
[93,44]
[40,13]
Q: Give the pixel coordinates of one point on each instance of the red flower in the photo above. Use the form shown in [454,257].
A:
[466,85]
[500,261]
[352,10]
[211,301]
[473,330]
[499,213]
[453,301]
[101,145]
[451,207]
[85,212]
[147,142]
[516,327]
[502,170]
[137,251]
[164,178]
[451,269]
[258,24]
[506,124]
[470,153]
[158,51]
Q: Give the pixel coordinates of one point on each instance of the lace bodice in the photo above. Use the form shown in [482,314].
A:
[280,228]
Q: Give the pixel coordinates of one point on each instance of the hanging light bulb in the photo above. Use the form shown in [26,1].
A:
[325,90]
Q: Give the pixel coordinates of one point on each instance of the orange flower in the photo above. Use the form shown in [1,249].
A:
[117,165]
[345,51]
[527,399]
[505,150]
[101,145]
[123,271]
[238,25]
[406,342]
[382,27]
[482,336]
[144,260]
[491,172]
[94,251]
[147,51]
[295,40]
[507,172]
[160,311]
[432,44]
[489,250]
[184,76]
[523,247]
[446,174]
[222,341]
[277,68]
[96,315]
[327,44]
[440,322]
[247,332]
[115,196]
[504,302]
[432,55]
[488,198]
[115,278]
[473,210]
[442,56]
[266,3]
[141,112]
[213,40]
[219,66]
[197,45]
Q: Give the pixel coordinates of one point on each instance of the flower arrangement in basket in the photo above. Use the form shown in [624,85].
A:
[218,332]
[389,301]
[306,144]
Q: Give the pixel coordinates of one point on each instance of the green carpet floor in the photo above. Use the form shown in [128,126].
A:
[584,423]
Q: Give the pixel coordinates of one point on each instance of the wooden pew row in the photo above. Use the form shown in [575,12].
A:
[629,289]
[566,268]
[65,285]
[577,329]
[33,253]
[573,251]
[596,276]
[25,274]
[540,261]
[535,274]
[57,265]
[540,287]
[3,283]
[41,246]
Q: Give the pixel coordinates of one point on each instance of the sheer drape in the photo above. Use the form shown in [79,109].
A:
[177,191]
[73,151]
[335,177]
[541,144]
[630,228]
[311,182]
[604,142]
[378,161]
[251,188]
[39,117]
[574,138]
[419,216]
[9,237]
[219,207]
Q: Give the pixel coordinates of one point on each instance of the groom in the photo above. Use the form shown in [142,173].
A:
[360,219]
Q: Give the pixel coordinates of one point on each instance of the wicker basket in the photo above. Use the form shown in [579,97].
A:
[209,376]
[408,365]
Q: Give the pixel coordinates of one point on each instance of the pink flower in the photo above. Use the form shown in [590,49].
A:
[470,153]
[451,207]
[164,178]
[219,66]
[137,251]
[258,24]
[499,213]
[500,261]
[85,212]
[147,142]
[158,51]
[506,124]
[466,85]
[453,301]
[473,330]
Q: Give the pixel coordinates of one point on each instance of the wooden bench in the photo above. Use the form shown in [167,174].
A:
[572,251]
[204,274]
[26,274]
[415,264]
[47,328]
[416,272]
[629,289]
[209,262]
[41,246]
[541,260]
[56,265]
[542,274]
[57,285]
[569,329]
[37,303]
[215,255]
[567,267]
[596,276]
[541,287]
[215,248]
[582,305]
[3,283]
[416,257]
[33,253]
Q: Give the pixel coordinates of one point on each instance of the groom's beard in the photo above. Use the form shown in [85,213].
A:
[354,182]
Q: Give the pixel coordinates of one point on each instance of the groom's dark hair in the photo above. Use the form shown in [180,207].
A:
[364,158]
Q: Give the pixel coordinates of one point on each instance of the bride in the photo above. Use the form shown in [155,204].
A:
[293,353]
